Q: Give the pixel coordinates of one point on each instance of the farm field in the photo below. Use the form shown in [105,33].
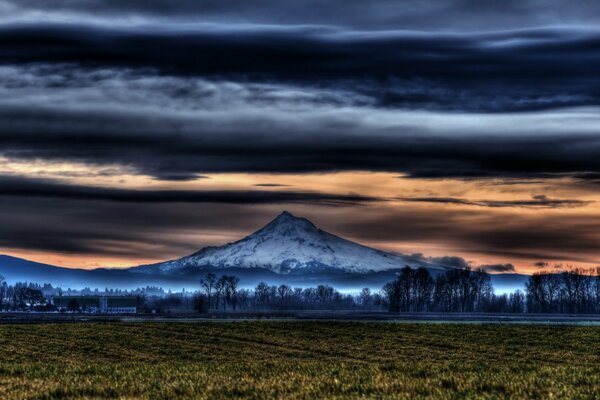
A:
[297,359]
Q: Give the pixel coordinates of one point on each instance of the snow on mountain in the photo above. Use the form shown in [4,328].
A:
[291,244]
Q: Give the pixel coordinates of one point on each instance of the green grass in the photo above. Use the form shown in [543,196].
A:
[298,360]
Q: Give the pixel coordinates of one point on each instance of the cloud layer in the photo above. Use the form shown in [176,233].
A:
[179,101]
[170,93]
[450,15]
[174,128]
[32,188]
[175,102]
[503,71]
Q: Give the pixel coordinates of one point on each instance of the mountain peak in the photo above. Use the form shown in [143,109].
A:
[288,217]
[285,214]
[288,224]
[289,243]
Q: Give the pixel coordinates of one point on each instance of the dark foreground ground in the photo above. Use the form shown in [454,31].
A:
[297,359]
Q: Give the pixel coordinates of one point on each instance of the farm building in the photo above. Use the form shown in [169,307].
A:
[97,304]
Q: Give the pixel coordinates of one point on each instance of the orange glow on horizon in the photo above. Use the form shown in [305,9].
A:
[390,189]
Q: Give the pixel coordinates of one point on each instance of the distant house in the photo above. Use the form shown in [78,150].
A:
[96,304]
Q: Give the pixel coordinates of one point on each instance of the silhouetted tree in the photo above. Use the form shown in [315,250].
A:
[208,284]
[230,284]
[366,297]
[220,286]
[423,285]
[284,292]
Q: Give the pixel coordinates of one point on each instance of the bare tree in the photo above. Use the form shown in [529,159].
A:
[220,286]
[208,284]
[325,294]
[230,290]
[366,298]
[243,298]
[262,294]
[284,292]
[423,289]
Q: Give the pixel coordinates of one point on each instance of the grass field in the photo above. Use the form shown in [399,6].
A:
[297,360]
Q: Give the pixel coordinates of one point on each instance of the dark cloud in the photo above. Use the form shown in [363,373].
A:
[461,263]
[451,261]
[25,187]
[538,201]
[448,261]
[513,70]
[271,185]
[498,268]
[171,145]
[588,176]
[302,99]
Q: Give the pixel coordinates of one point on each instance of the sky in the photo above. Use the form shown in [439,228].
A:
[134,132]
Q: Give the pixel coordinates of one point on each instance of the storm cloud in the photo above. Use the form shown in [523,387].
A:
[175,102]
[183,146]
[501,71]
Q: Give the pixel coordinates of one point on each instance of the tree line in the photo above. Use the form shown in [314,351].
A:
[413,290]
[417,290]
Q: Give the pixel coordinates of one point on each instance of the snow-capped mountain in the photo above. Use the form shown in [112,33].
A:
[290,244]
[289,250]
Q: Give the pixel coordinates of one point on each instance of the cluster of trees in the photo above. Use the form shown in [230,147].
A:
[266,296]
[465,290]
[222,293]
[457,290]
[21,296]
[575,291]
